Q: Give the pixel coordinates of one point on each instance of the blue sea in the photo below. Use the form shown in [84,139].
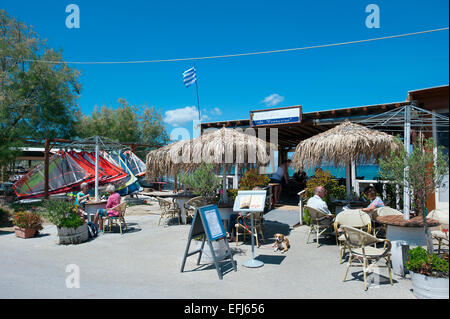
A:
[368,171]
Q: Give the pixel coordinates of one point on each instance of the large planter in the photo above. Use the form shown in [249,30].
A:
[73,236]
[24,232]
[426,287]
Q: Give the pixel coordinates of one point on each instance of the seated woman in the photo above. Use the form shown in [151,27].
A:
[82,198]
[375,201]
[113,200]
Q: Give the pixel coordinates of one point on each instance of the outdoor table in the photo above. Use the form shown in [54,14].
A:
[91,207]
[160,185]
[225,213]
[401,232]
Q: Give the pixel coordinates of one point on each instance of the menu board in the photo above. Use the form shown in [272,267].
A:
[250,201]
[212,222]
[208,224]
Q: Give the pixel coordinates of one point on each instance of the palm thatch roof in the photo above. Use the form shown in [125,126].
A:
[341,145]
[223,147]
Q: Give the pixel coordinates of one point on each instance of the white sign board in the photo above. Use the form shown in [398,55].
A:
[287,115]
[250,201]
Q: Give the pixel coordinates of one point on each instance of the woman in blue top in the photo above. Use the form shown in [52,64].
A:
[375,201]
[82,198]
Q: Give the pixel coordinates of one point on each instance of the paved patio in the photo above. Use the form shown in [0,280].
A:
[145,263]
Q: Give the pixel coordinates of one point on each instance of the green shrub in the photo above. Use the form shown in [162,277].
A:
[325,179]
[204,182]
[419,261]
[4,215]
[252,179]
[62,214]
[232,193]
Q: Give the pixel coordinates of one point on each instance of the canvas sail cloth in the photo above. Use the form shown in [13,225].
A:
[67,170]
[108,173]
[64,174]
[136,165]
[119,159]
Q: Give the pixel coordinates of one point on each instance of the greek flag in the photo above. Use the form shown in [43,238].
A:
[189,76]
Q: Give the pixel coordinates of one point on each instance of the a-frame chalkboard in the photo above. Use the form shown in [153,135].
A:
[208,224]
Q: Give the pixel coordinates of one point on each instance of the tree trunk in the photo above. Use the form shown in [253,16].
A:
[427,230]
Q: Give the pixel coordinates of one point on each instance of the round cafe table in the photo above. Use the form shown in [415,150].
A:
[402,234]
[91,207]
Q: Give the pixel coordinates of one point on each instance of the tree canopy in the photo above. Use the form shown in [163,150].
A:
[126,123]
[37,100]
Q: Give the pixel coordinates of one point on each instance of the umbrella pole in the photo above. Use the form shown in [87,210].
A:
[348,181]
[224,186]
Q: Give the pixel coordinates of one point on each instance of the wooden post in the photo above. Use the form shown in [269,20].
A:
[46,164]
[175,188]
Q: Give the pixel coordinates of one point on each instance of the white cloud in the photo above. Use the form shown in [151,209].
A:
[216,111]
[213,112]
[181,116]
[273,99]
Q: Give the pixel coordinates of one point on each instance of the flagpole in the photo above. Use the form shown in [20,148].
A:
[196,89]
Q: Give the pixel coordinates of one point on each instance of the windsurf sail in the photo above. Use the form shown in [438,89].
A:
[131,186]
[136,165]
[64,174]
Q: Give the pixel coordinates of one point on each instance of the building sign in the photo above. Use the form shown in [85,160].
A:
[285,115]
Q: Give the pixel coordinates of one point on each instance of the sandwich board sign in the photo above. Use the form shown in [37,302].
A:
[208,224]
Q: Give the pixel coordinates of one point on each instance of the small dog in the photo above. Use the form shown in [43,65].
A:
[281,243]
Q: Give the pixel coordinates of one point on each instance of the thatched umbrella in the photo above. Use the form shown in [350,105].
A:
[224,147]
[342,145]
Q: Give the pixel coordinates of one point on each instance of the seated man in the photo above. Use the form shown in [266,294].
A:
[317,201]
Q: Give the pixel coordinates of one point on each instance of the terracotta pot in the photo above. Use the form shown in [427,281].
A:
[24,232]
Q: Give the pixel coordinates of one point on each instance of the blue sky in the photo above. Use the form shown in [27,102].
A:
[318,79]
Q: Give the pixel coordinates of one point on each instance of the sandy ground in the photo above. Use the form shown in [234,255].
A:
[145,262]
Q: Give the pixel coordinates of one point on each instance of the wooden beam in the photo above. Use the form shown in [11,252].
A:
[46,165]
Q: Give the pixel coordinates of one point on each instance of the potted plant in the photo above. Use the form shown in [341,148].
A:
[426,167]
[204,182]
[26,224]
[429,274]
[64,215]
